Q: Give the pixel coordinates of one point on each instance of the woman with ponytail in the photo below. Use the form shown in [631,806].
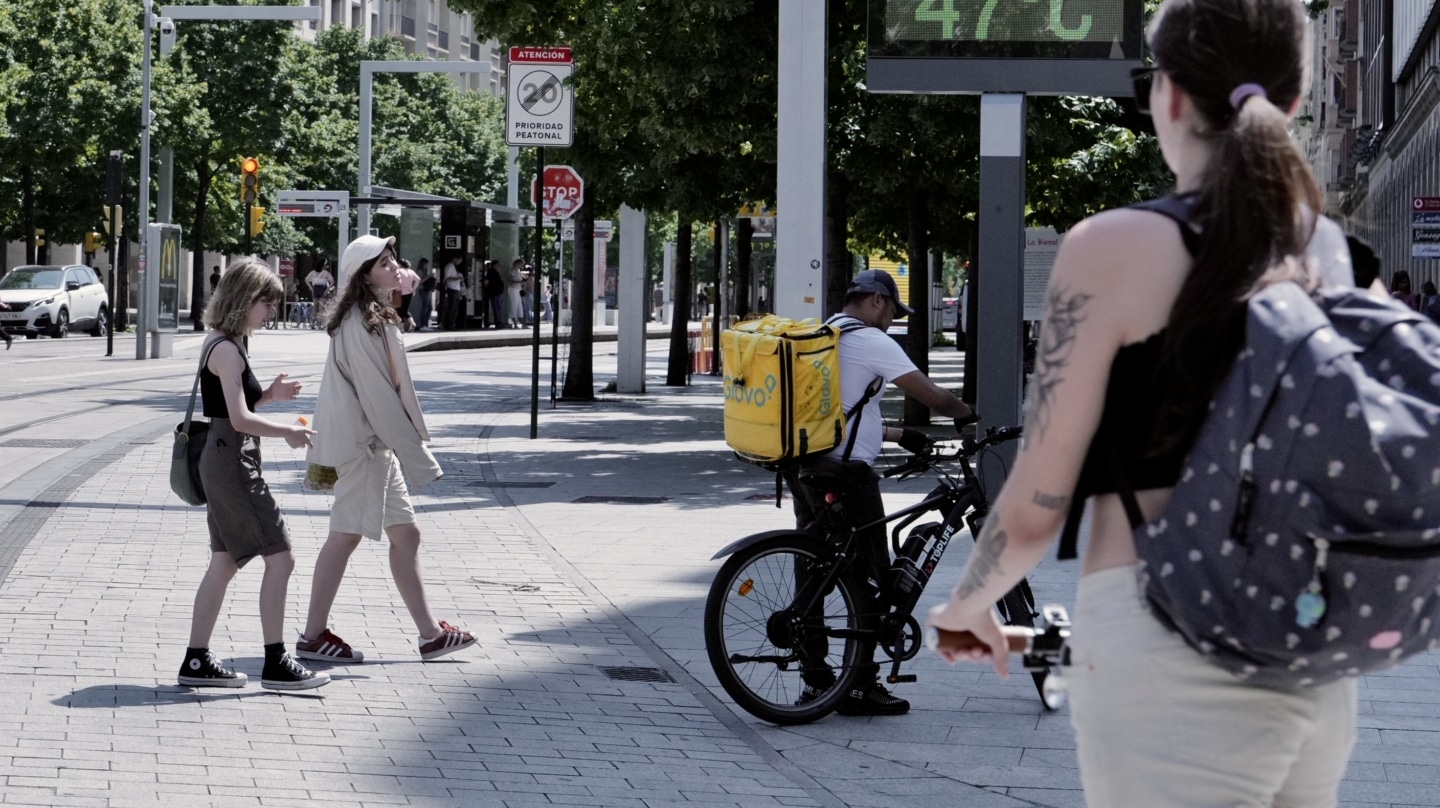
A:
[1145,317]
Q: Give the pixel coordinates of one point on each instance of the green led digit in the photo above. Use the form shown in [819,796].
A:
[982,29]
[1075,34]
[947,16]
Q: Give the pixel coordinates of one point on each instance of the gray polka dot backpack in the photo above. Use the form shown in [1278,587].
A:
[1302,544]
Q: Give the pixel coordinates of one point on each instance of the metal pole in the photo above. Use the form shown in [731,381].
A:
[539,261]
[999,357]
[114,266]
[367,78]
[555,314]
[249,246]
[141,319]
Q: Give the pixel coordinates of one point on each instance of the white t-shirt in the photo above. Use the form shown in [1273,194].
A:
[867,353]
[453,279]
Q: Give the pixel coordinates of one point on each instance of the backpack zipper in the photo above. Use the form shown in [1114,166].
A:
[1240,524]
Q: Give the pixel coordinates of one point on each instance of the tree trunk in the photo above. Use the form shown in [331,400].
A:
[839,263]
[27,206]
[677,371]
[744,294]
[918,341]
[203,176]
[580,374]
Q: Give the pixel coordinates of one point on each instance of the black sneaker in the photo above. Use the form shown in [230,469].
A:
[285,673]
[202,669]
[874,700]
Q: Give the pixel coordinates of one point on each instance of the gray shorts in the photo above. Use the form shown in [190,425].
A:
[241,513]
[370,495]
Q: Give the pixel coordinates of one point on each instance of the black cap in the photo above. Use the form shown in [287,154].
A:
[878,280]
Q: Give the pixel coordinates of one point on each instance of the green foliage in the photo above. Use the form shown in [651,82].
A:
[68,94]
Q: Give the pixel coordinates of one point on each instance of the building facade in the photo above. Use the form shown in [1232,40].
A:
[1371,123]
[427,28]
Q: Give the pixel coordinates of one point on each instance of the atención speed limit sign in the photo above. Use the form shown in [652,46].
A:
[539,101]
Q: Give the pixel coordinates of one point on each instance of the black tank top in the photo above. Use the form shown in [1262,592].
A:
[212,394]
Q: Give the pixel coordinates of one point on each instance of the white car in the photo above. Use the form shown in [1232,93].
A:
[52,300]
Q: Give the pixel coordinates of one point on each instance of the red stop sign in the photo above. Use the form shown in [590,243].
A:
[564,191]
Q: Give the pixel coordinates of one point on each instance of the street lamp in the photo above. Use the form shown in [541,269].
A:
[165,21]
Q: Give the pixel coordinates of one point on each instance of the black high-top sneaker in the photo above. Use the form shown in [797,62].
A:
[202,669]
[282,672]
[872,700]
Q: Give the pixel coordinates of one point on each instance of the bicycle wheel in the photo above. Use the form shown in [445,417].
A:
[764,646]
[1017,608]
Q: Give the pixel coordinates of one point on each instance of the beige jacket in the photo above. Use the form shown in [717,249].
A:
[359,406]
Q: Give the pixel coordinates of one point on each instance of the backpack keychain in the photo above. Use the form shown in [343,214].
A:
[1310,603]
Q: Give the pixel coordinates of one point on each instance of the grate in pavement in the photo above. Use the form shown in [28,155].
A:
[44,443]
[624,500]
[623,674]
[508,484]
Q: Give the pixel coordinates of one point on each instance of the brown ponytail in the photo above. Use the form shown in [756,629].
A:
[1256,207]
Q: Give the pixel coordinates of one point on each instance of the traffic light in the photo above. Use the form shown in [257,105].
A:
[249,180]
[257,221]
[93,242]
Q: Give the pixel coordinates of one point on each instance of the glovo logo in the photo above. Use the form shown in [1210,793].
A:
[827,398]
[735,390]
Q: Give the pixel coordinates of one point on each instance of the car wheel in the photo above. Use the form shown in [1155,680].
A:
[61,329]
[102,323]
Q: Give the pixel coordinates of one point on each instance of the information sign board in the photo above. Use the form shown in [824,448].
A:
[1425,227]
[1042,244]
[539,100]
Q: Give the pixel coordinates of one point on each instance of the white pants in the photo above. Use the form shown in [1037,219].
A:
[1157,725]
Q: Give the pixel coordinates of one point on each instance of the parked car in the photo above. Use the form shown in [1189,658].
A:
[53,300]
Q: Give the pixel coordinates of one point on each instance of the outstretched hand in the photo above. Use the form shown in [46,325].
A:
[282,389]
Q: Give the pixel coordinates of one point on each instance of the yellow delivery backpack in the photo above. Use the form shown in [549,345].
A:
[782,388]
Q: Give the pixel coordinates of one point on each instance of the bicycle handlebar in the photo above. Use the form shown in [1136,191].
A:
[924,461]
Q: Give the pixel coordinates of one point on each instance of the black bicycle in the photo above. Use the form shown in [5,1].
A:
[788,602]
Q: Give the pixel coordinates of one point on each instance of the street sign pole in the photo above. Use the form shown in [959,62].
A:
[535,294]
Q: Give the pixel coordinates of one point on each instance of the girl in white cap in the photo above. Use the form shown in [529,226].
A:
[370,429]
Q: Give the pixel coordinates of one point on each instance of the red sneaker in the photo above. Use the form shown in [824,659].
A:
[327,648]
[448,641]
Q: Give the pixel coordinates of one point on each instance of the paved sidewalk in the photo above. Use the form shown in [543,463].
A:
[559,587]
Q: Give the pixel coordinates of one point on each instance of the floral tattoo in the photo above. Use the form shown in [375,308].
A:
[1064,314]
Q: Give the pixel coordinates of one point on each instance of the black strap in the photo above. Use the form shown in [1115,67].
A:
[195,388]
[1176,207]
[1070,535]
[852,419]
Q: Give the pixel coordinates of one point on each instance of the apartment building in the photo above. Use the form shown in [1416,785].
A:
[427,28]
[1371,123]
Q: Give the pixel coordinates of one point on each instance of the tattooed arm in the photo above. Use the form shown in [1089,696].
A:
[1105,291]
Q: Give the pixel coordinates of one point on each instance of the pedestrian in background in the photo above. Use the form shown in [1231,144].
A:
[408,282]
[1401,290]
[372,432]
[320,282]
[1144,321]
[427,293]
[9,340]
[240,512]
[453,285]
[514,282]
[494,287]
[214,279]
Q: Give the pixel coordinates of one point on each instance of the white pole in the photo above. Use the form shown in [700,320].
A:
[142,312]
[632,310]
[800,188]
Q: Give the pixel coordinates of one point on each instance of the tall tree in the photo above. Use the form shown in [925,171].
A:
[68,81]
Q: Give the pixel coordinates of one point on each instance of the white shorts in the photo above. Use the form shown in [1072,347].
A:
[1157,725]
[370,495]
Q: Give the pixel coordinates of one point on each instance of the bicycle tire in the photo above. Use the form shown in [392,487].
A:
[1017,608]
[754,586]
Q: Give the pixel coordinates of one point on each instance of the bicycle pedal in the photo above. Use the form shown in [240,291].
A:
[901,679]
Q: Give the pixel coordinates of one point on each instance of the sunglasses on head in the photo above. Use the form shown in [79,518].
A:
[1143,78]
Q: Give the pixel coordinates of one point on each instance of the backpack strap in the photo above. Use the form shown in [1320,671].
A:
[1176,207]
[846,324]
